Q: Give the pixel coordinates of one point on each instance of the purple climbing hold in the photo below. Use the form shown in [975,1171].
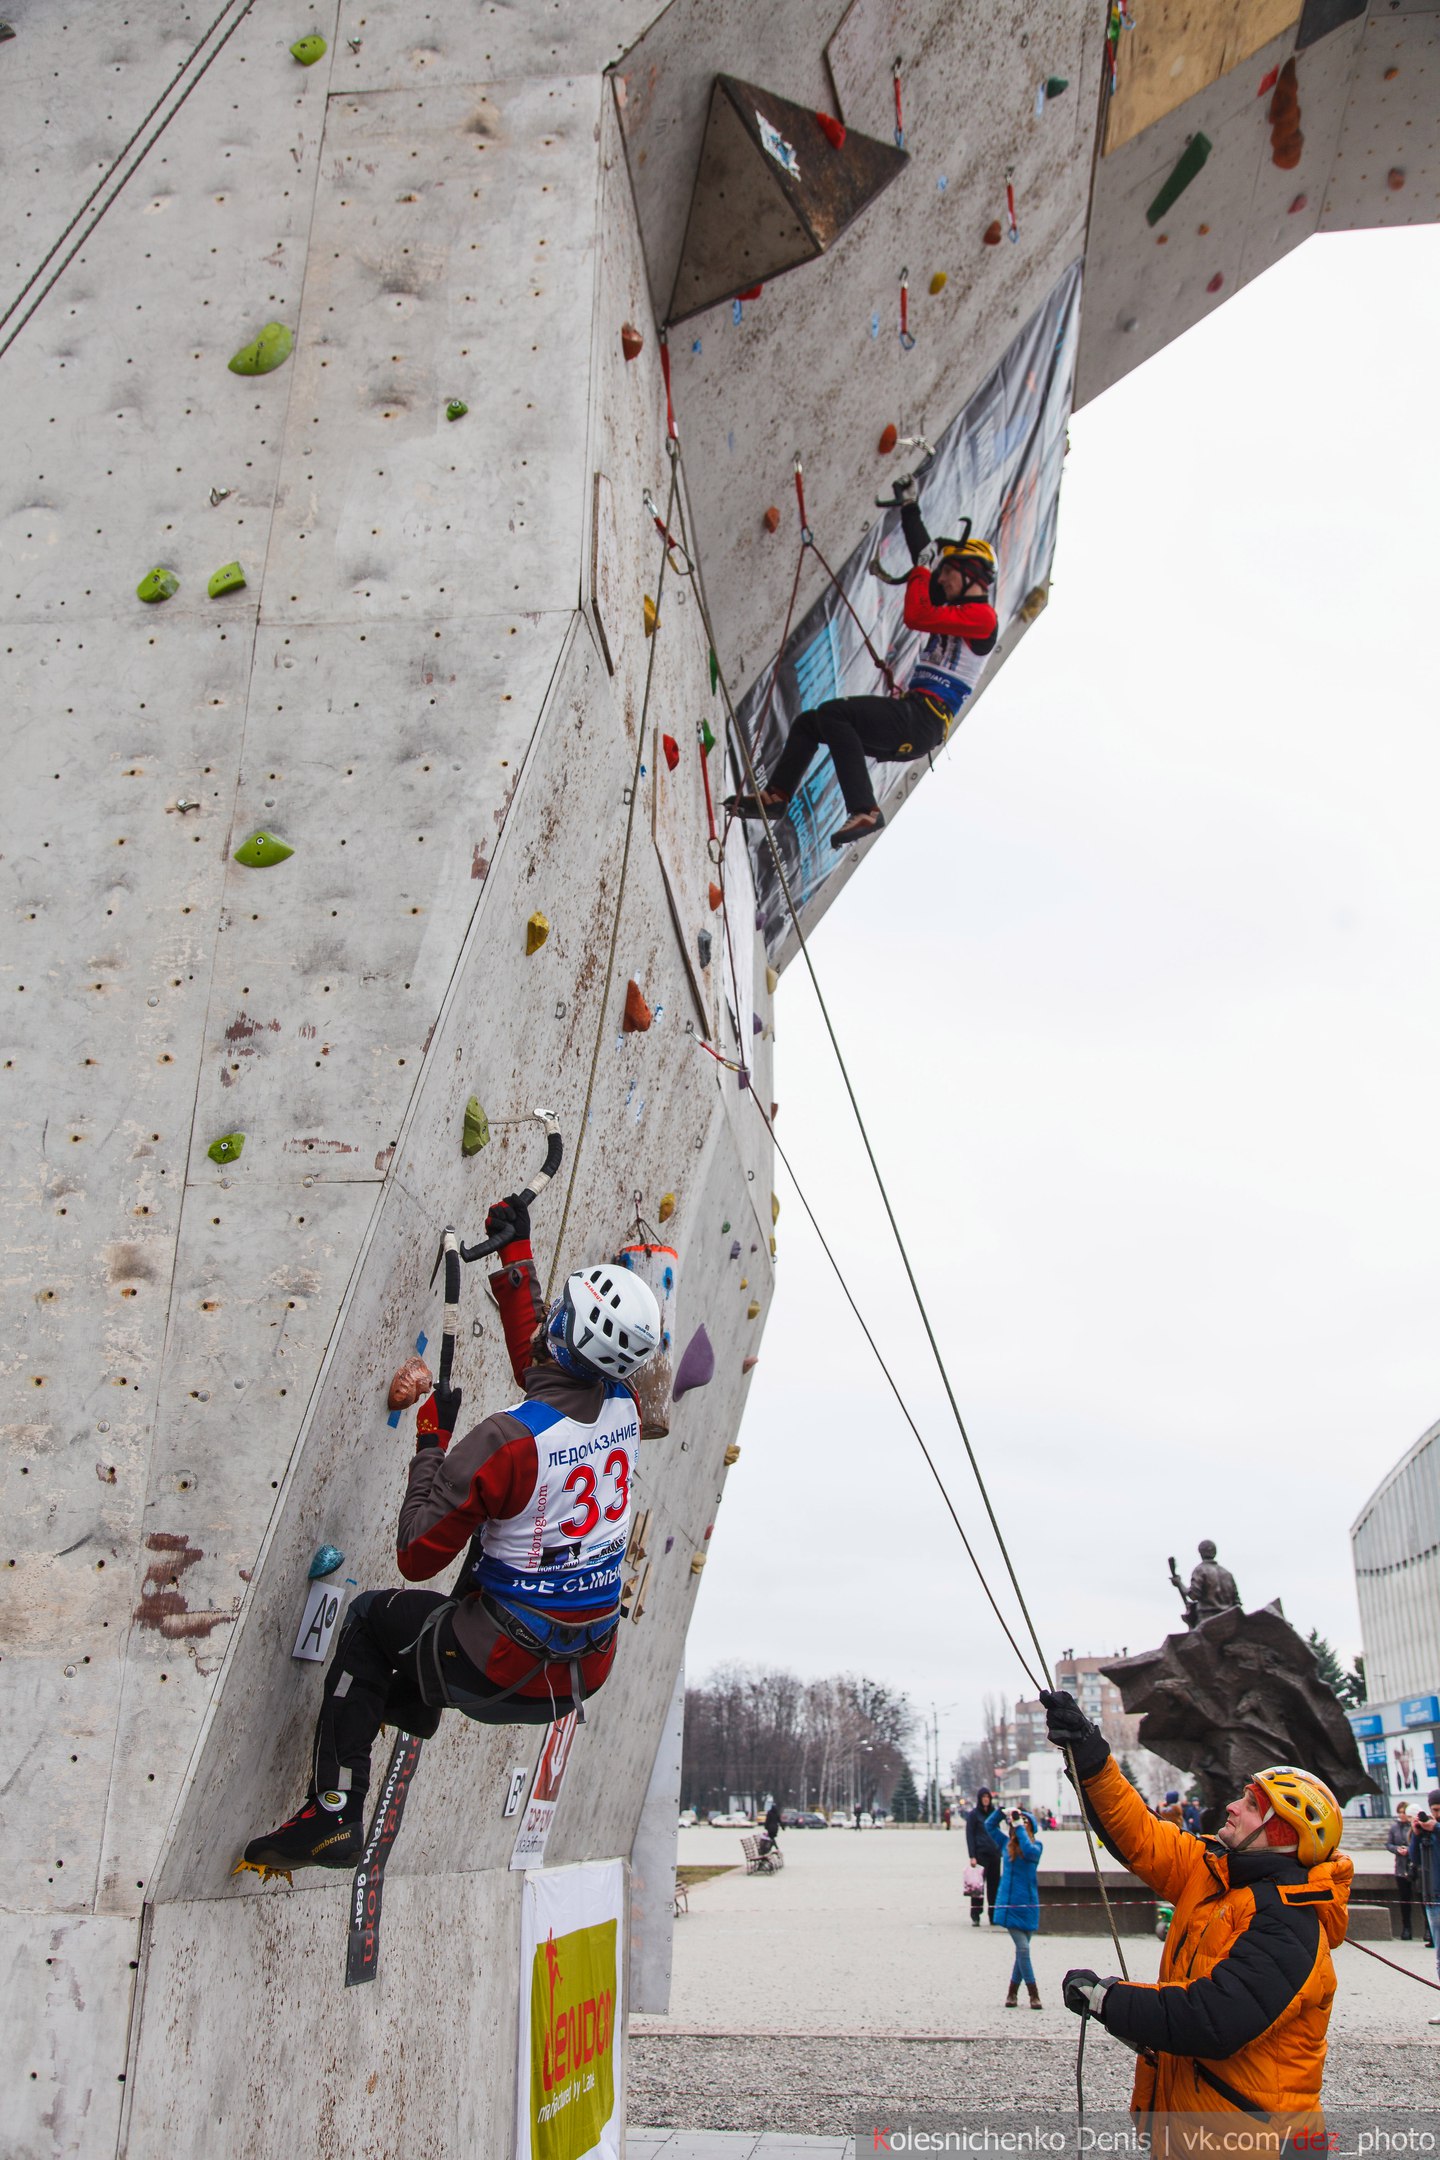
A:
[696,1367]
[757,1025]
[735,1248]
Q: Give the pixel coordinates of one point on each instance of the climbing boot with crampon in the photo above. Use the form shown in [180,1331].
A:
[767,802]
[329,1831]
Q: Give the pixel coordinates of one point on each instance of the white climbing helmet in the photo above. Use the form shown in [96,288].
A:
[608,1319]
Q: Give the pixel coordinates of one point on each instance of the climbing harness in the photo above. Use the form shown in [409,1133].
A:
[105,178]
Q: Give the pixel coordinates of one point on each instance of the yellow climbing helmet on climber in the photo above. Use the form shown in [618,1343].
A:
[977,554]
[1306,1802]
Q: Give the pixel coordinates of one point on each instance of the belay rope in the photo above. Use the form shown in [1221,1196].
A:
[738,736]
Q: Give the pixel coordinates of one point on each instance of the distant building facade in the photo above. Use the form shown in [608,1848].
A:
[1395,1546]
[1034,1775]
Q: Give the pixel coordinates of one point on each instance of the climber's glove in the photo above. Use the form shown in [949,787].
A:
[1084,1991]
[1066,1726]
[437,1417]
[509,1219]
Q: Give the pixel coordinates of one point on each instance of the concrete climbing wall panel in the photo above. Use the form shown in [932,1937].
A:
[204,2080]
[1143,283]
[131,416]
[1387,164]
[447,220]
[816,362]
[385,49]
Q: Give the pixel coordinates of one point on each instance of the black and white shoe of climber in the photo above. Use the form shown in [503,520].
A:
[329,1831]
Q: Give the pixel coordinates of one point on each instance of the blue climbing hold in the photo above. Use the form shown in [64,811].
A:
[327,1559]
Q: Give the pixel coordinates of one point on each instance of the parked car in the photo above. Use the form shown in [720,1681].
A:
[688,1818]
[811,1821]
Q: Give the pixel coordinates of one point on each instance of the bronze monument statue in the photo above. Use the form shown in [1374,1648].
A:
[1212,1587]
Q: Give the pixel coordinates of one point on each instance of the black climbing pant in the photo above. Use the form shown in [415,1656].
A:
[893,730]
[376,1678]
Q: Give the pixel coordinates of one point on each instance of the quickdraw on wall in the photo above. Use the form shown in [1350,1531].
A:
[658,1265]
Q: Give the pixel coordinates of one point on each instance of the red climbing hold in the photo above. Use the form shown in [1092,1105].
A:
[748,1364]
[889,436]
[638,1015]
[671,749]
[772,519]
[1216,282]
[717,897]
[1301,202]
[1267,82]
[832,129]
[991,235]
[632,344]
[751,292]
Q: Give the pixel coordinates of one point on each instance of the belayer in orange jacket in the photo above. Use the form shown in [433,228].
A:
[1237,2021]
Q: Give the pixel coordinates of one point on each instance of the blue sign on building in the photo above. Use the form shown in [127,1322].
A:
[1420,1710]
[1365,1723]
[1375,1754]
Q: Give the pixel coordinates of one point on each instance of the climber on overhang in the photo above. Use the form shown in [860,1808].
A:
[952,602]
[540,1494]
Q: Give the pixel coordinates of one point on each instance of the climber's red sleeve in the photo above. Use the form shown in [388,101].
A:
[522,1309]
[975,620]
[488,1475]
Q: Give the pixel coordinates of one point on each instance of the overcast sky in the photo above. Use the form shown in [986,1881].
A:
[1142,1006]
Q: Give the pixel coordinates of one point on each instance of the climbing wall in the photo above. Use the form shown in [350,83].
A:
[237,1086]
[1349,137]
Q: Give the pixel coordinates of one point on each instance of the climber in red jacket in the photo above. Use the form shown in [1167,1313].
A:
[952,602]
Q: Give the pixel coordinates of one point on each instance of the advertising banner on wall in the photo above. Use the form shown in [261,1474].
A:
[1409,1776]
[570,2090]
[998,464]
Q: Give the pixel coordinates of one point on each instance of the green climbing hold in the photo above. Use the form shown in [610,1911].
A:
[270,350]
[1187,165]
[456,409]
[307,50]
[477,1128]
[262,851]
[228,578]
[714,672]
[228,1148]
[707,737]
[157,584]
[1054,84]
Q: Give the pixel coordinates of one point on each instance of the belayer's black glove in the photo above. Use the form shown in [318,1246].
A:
[1066,1726]
[1084,1991]
[509,1219]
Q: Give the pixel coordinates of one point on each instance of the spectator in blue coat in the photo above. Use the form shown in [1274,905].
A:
[983,1849]
[1018,1905]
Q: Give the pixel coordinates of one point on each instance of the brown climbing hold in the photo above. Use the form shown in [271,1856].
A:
[632,344]
[772,519]
[1216,282]
[1286,140]
[889,436]
[1287,156]
[1395,179]
[1391,73]
[991,234]
[1202,230]
[413,1380]
[717,897]
[638,1015]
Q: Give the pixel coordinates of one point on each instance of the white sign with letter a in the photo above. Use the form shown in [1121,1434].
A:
[317,1622]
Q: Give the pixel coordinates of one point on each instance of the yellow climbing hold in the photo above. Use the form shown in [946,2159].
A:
[732,1453]
[744,1282]
[752,1310]
[772,980]
[307,50]
[667,1206]
[262,851]
[774,1207]
[939,281]
[271,349]
[773,1248]
[652,616]
[476,1133]
[697,1562]
[537,929]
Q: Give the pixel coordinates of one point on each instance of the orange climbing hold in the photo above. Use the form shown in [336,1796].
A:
[772,519]
[832,129]
[889,436]
[413,1380]
[671,749]
[1286,140]
[991,234]
[717,897]
[632,344]
[638,1015]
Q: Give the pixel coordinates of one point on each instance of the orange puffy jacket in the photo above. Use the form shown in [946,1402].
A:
[1238,2017]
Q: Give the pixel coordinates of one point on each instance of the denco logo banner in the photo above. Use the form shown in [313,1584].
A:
[570,2091]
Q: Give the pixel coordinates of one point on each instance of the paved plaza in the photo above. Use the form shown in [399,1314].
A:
[852,1984]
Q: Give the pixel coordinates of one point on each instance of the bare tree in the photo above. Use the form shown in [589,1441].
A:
[761,1733]
[997,1736]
